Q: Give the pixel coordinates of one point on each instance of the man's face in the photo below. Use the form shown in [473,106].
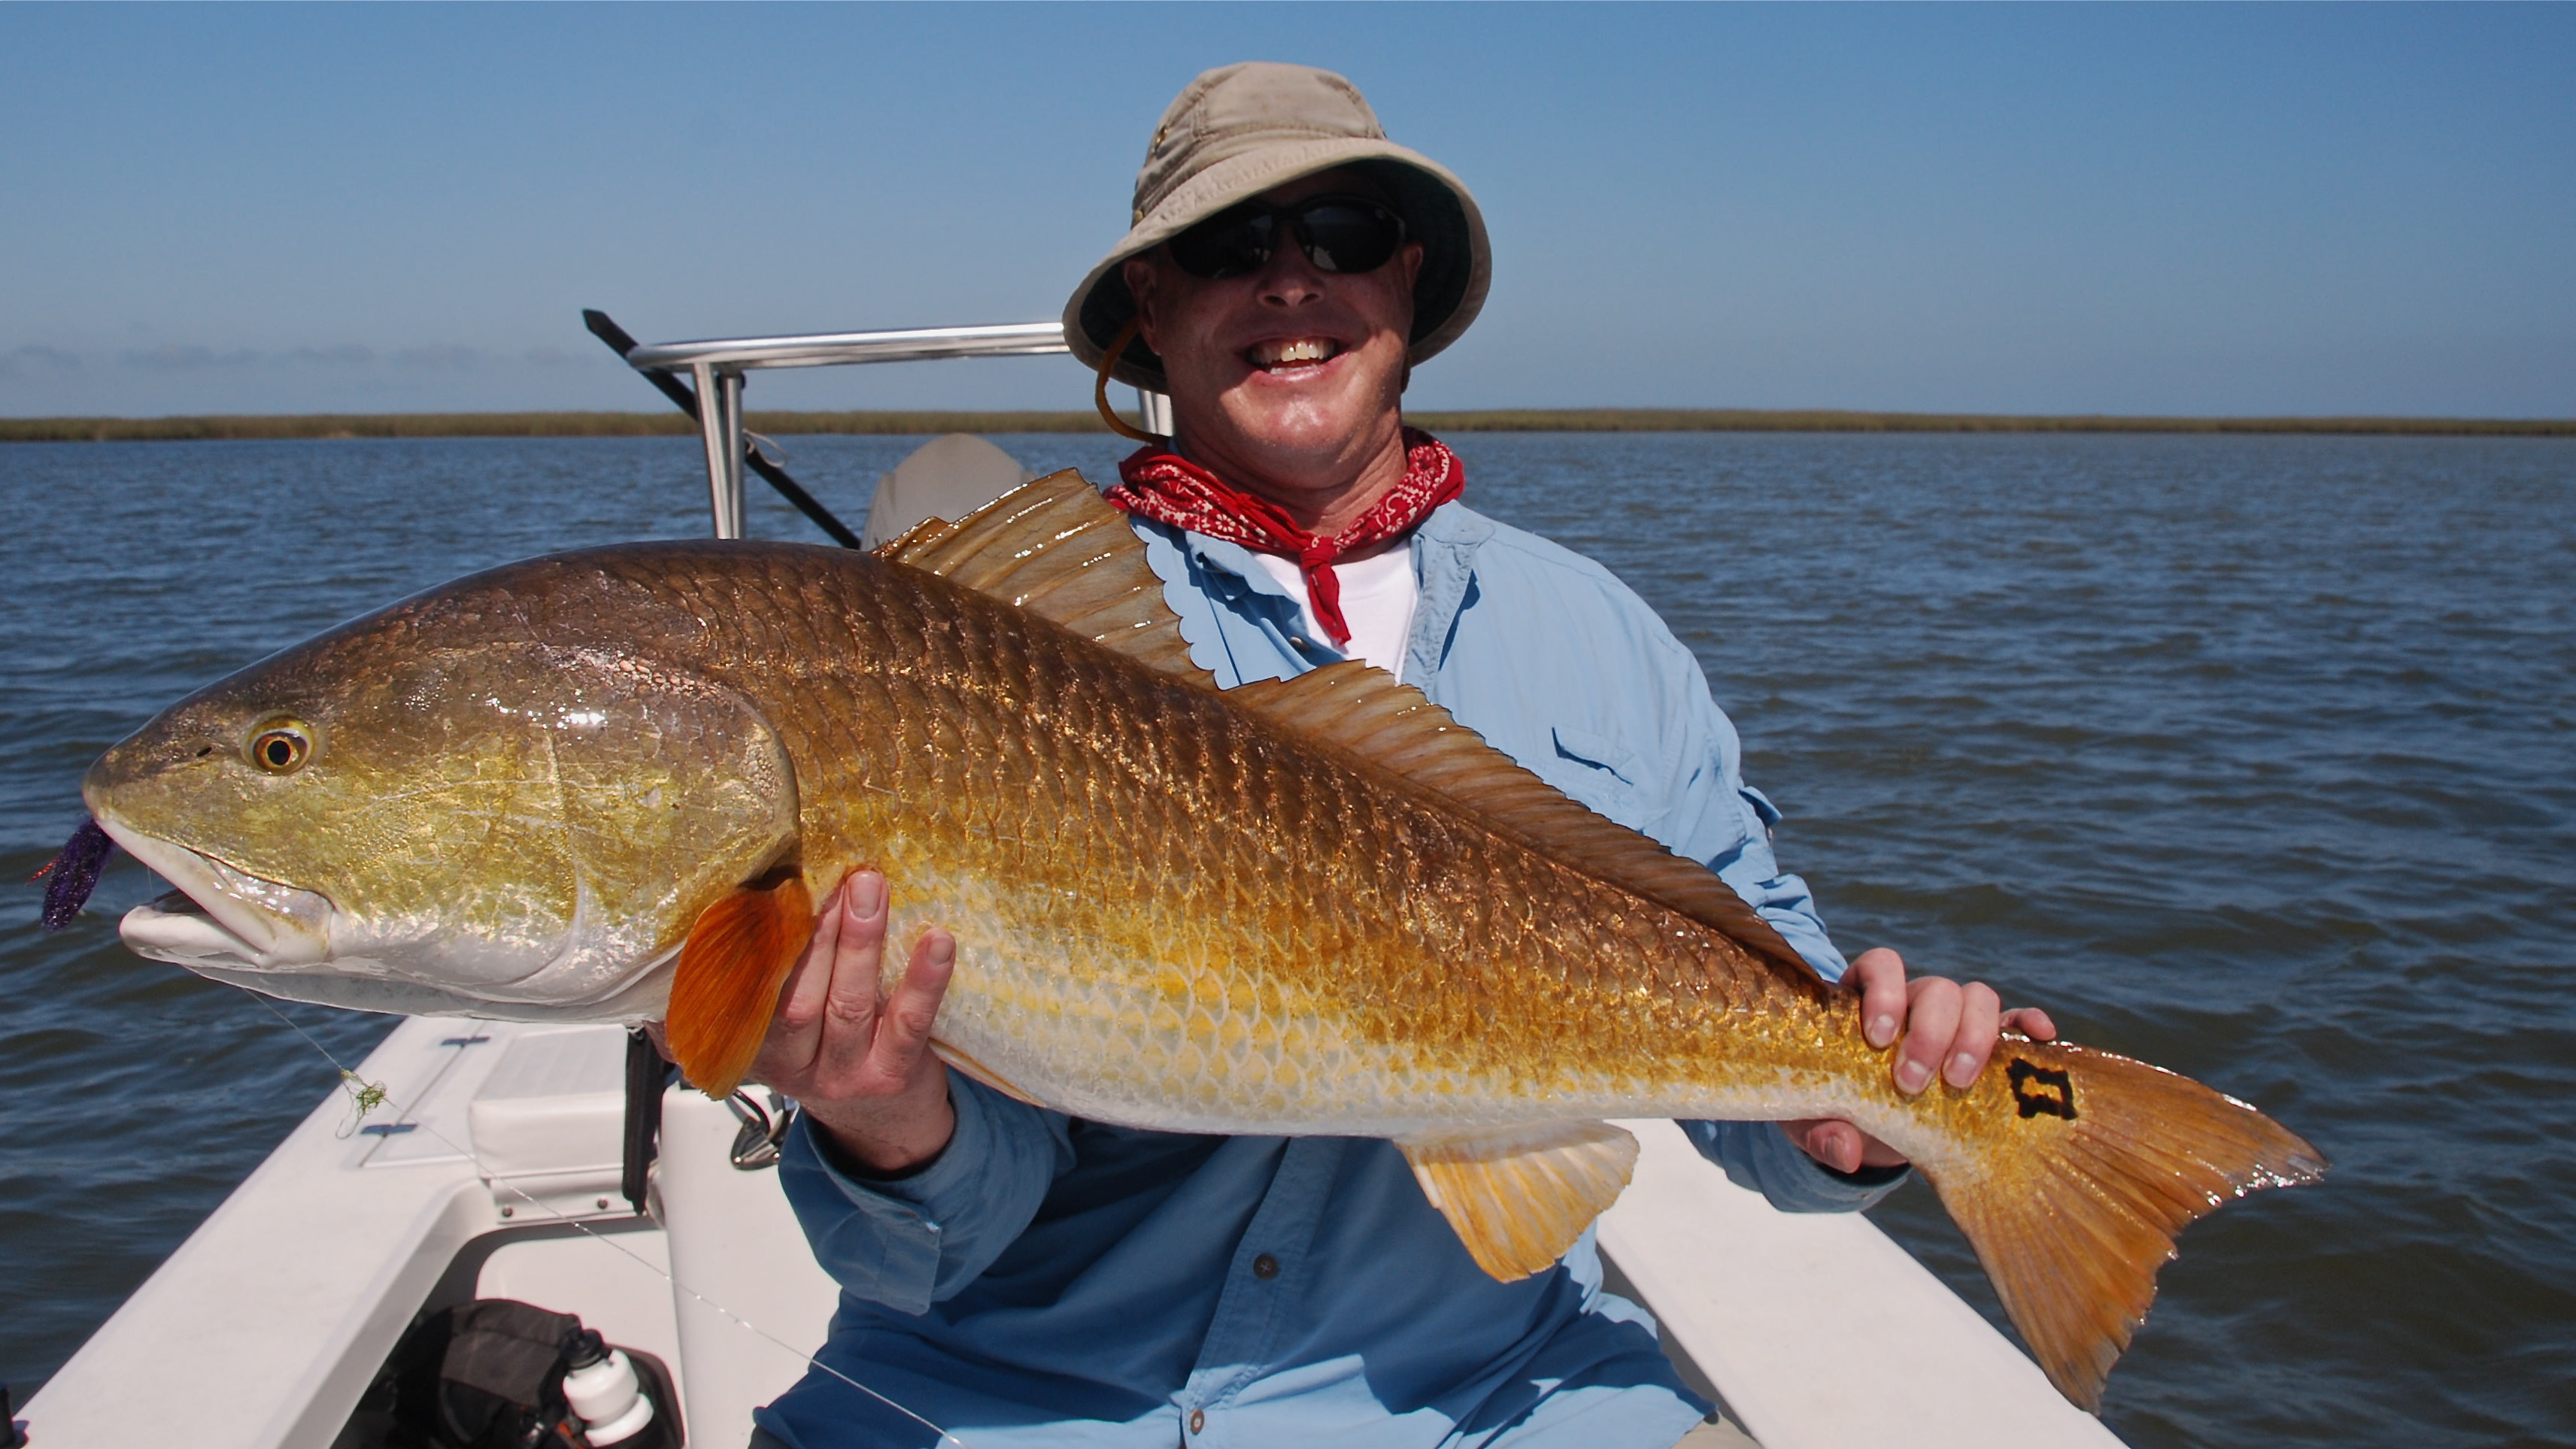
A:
[1288,370]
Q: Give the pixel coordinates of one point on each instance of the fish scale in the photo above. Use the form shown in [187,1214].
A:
[1423,1032]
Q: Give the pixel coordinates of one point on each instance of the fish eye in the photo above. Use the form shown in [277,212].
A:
[281,746]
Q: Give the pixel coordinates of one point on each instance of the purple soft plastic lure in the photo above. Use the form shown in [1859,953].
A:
[72,875]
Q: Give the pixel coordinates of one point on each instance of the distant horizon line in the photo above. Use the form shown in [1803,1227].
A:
[901,422]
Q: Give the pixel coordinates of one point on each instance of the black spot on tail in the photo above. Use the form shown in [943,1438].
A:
[2038,1089]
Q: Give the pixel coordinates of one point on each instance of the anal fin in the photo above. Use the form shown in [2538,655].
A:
[1519,1198]
[731,968]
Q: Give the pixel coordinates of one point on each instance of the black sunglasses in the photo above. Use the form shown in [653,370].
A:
[1337,234]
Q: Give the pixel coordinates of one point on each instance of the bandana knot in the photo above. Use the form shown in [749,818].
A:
[1168,488]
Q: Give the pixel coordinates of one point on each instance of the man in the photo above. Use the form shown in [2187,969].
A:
[1019,1277]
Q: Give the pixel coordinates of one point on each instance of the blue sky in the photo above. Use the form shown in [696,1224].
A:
[2308,209]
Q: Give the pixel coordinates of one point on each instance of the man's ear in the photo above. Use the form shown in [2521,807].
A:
[1410,258]
[1141,280]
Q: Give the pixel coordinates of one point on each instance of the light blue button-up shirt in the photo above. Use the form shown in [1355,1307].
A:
[1052,1281]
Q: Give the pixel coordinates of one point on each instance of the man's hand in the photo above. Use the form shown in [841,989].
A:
[859,1060]
[1948,1029]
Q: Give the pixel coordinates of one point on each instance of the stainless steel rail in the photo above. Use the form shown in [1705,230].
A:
[838,349]
[715,368]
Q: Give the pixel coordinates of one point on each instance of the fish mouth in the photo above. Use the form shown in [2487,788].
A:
[220,915]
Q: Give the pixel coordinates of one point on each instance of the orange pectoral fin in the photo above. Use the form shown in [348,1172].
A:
[731,967]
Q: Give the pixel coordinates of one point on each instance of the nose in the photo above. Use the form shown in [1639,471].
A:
[1290,280]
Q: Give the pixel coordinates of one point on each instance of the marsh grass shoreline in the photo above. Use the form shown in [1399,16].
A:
[1507,420]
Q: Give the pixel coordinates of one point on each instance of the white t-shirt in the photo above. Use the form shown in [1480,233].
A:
[1378,595]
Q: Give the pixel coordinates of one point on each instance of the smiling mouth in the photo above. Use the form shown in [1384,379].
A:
[1287,356]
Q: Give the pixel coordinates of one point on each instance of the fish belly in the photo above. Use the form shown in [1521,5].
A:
[1235,1040]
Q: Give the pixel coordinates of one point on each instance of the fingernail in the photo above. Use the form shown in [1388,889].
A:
[867,896]
[1963,1070]
[1882,1030]
[943,950]
[1912,1076]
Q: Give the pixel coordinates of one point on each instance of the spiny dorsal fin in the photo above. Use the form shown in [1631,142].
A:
[904,546]
[1363,710]
[1518,1199]
[1054,548]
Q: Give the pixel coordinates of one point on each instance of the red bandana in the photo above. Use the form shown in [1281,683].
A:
[1169,488]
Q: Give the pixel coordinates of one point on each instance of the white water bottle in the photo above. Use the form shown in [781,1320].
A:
[601,1387]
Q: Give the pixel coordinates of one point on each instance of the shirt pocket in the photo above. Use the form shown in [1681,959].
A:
[1600,772]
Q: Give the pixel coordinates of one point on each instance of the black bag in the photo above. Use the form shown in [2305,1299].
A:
[489,1375]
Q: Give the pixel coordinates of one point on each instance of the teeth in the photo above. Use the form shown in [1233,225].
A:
[1280,354]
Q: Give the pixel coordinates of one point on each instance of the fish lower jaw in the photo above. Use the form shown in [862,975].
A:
[176,929]
[219,913]
[639,1001]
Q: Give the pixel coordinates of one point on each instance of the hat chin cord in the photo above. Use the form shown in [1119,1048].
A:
[1100,387]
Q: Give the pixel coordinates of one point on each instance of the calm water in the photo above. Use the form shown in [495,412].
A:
[2254,757]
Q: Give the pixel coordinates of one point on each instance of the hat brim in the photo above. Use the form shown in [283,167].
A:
[1457,262]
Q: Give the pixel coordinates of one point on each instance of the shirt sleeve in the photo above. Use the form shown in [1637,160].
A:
[910,1241]
[1711,815]
[1760,1156]
[1717,818]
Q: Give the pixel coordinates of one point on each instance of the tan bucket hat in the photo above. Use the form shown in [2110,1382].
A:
[1236,132]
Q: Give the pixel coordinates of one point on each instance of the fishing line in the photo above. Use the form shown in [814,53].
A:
[364,1095]
[370,1095]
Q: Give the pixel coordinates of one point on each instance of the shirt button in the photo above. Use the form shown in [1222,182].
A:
[1198,1421]
[1265,1266]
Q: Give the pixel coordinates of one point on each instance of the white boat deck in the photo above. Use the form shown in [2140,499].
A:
[264,1328]
[1816,1328]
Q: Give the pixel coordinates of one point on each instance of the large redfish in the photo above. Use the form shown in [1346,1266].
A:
[612,784]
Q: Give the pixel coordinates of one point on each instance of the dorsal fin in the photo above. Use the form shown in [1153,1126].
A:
[1054,548]
[1395,726]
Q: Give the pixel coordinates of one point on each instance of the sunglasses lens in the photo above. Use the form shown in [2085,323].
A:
[1343,236]
[1336,235]
[1227,244]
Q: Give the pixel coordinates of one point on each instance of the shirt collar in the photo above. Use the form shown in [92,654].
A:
[1451,526]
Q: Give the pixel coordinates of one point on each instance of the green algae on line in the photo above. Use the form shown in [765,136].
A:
[1496,420]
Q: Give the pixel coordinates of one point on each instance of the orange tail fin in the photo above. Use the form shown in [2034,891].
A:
[731,968]
[2102,1161]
